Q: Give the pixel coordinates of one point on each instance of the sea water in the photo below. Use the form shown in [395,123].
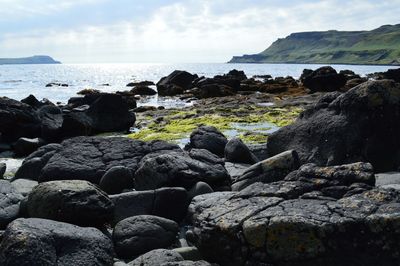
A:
[18,81]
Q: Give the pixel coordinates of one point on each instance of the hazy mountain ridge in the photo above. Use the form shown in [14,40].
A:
[379,46]
[37,59]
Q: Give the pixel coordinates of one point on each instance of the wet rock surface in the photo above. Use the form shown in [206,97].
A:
[10,198]
[208,138]
[40,242]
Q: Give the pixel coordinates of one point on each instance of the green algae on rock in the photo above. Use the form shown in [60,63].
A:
[177,124]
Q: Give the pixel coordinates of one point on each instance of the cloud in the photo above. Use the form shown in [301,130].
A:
[196,31]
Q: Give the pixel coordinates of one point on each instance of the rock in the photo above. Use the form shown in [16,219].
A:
[388,180]
[169,203]
[51,122]
[277,224]
[76,124]
[259,150]
[72,201]
[87,158]
[188,263]
[189,253]
[351,83]
[205,156]
[25,146]
[143,90]
[39,242]
[140,234]
[34,163]
[116,179]
[156,257]
[3,168]
[175,83]
[209,138]
[211,91]
[323,79]
[17,120]
[237,152]
[393,74]
[269,170]
[199,188]
[24,186]
[56,84]
[141,83]
[240,75]
[9,203]
[32,101]
[110,113]
[169,170]
[346,128]
[236,170]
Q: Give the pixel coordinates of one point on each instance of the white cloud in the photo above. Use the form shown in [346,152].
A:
[195,31]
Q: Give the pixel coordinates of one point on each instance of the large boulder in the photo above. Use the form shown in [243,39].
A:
[140,234]
[170,203]
[17,120]
[116,179]
[346,128]
[211,91]
[72,201]
[209,138]
[175,83]
[10,198]
[39,242]
[180,170]
[323,79]
[87,158]
[143,90]
[316,216]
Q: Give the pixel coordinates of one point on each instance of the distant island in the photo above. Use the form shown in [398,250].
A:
[37,59]
[376,47]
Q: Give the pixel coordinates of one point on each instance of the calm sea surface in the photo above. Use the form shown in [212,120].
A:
[18,81]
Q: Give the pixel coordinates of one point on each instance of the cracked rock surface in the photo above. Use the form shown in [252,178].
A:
[316,216]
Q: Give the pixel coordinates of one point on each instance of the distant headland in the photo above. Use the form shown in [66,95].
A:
[380,46]
[37,59]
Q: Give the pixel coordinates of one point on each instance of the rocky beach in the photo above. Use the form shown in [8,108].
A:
[254,170]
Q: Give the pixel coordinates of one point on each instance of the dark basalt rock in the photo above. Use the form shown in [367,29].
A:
[209,138]
[72,201]
[3,168]
[346,128]
[140,83]
[39,242]
[269,170]
[157,257]
[175,83]
[87,158]
[178,170]
[25,146]
[323,79]
[17,120]
[169,203]
[116,179]
[237,152]
[298,221]
[9,203]
[143,90]
[140,234]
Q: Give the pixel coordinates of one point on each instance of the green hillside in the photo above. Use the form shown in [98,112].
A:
[379,46]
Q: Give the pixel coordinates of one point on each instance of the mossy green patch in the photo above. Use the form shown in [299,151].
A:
[178,124]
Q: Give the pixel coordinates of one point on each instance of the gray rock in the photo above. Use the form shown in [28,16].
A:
[87,158]
[388,178]
[187,263]
[140,234]
[237,152]
[259,150]
[170,203]
[274,224]
[74,201]
[175,83]
[269,170]
[205,156]
[346,128]
[178,170]
[116,179]
[235,170]
[209,138]
[189,253]
[24,186]
[9,203]
[39,242]
[156,257]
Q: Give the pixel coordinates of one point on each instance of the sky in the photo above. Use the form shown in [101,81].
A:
[172,31]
